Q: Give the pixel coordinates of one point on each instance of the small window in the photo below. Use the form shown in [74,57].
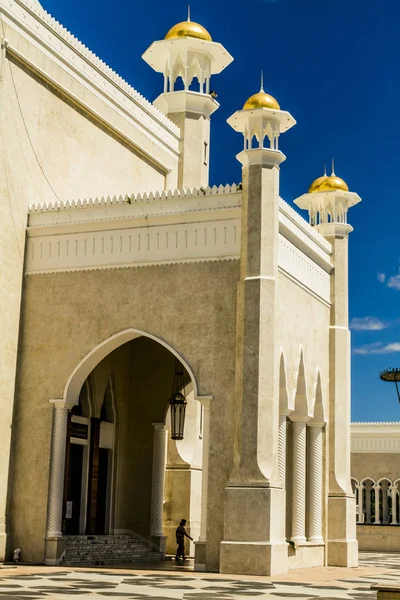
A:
[205,153]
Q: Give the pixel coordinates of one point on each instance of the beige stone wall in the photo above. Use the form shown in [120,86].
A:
[191,307]
[375,466]
[378,538]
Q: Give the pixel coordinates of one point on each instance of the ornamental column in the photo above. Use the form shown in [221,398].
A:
[200,545]
[57,469]
[376,492]
[316,482]
[159,464]
[360,489]
[299,470]
[394,504]
[282,436]
[205,402]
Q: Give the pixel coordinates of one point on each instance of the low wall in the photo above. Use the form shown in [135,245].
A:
[378,538]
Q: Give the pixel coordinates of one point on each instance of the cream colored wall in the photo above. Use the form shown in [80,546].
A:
[195,130]
[375,466]
[378,538]
[191,307]
[303,322]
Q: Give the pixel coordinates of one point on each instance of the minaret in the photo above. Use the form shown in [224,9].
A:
[257,546]
[188,52]
[327,202]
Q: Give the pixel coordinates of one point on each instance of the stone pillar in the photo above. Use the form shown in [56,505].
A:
[200,545]
[394,504]
[282,447]
[299,470]
[342,542]
[360,489]
[316,501]
[159,463]
[376,492]
[256,546]
[57,470]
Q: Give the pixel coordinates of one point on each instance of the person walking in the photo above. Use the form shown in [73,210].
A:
[180,540]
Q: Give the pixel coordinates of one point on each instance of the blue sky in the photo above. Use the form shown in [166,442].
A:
[335,67]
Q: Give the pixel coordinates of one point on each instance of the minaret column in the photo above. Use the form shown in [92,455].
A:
[257,547]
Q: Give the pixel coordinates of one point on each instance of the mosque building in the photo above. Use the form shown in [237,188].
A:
[168,349]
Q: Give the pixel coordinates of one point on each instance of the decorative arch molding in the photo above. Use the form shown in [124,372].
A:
[97,354]
[317,411]
[285,406]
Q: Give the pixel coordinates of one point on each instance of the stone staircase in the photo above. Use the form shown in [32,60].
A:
[85,550]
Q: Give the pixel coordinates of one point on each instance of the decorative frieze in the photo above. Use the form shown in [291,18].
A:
[375,438]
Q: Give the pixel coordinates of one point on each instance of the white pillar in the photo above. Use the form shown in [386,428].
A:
[57,469]
[376,490]
[360,489]
[316,483]
[205,403]
[394,504]
[299,481]
[282,447]
[159,463]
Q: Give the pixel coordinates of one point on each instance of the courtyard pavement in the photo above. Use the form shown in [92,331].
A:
[170,581]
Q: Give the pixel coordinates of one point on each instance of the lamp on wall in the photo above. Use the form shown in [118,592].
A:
[178,404]
[392,375]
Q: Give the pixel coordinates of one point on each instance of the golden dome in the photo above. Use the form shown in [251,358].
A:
[188,29]
[333,183]
[314,187]
[261,100]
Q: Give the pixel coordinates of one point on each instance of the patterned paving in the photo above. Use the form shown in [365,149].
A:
[96,584]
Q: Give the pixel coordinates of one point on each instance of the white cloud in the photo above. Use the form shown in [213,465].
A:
[367,324]
[381,277]
[394,282]
[378,348]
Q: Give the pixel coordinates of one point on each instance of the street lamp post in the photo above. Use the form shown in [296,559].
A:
[393,376]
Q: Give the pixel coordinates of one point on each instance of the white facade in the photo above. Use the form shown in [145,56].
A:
[128,261]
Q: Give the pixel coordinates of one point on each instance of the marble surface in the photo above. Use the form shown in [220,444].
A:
[172,581]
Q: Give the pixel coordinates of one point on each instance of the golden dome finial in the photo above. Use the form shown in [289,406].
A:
[188,29]
[261,99]
[314,187]
[333,182]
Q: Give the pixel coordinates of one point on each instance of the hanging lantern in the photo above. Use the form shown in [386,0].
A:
[178,404]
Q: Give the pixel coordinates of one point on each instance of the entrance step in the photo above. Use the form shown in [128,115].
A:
[86,550]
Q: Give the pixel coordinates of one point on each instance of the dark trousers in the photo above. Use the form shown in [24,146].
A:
[181,548]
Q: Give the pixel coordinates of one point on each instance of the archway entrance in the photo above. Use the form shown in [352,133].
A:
[115,450]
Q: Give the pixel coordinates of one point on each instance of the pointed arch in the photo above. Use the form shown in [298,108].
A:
[301,404]
[95,356]
[318,408]
[283,391]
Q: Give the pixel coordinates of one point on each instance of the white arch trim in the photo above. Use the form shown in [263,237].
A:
[95,356]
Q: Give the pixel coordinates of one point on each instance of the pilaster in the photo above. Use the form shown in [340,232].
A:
[342,543]
[157,495]
[258,548]
[200,545]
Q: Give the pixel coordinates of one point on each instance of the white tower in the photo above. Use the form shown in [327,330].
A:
[259,548]
[327,202]
[188,52]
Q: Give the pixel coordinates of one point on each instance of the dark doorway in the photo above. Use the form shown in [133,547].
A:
[102,492]
[75,490]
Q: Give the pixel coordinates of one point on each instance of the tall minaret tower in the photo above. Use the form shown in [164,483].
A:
[259,548]
[188,52]
[327,202]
